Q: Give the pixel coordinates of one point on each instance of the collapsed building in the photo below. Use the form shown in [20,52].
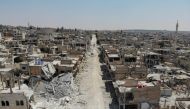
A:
[147,69]
[34,61]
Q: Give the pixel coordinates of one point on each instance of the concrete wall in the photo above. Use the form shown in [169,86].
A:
[0,35]
[166,92]
[35,70]
[64,69]
[150,94]
[11,99]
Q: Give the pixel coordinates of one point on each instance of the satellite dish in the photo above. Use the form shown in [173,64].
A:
[145,105]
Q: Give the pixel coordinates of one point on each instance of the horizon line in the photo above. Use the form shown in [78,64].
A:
[131,29]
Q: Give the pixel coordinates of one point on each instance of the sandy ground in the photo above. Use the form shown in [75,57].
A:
[91,85]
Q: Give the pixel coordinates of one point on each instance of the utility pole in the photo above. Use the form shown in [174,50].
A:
[10,82]
[2,81]
[124,99]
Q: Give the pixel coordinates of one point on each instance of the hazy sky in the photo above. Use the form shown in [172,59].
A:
[97,14]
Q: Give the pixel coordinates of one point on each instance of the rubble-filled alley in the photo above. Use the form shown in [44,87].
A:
[92,87]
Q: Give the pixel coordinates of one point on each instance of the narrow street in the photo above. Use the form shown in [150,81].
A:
[92,87]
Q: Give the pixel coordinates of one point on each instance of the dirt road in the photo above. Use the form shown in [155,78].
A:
[92,87]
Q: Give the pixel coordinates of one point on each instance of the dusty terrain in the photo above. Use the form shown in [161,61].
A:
[91,85]
[92,91]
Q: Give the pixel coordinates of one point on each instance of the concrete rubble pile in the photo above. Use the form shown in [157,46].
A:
[48,70]
[62,86]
